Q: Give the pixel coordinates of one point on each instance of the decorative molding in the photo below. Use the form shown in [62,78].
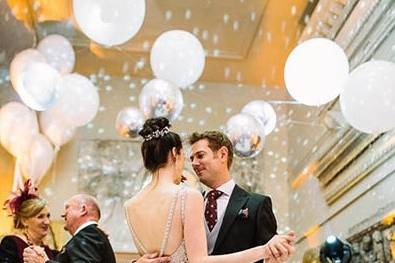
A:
[371,223]
[376,29]
[343,155]
[356,20]
[377,154]
[374,242]
[327,19]
[333,154]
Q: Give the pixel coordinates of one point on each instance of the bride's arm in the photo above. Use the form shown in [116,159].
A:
[195,236]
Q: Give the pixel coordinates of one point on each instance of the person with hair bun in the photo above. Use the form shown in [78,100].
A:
[31,224]
[168,219]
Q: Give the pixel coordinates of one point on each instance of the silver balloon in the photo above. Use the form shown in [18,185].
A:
[129,122]
[245,134]
[160,98]
[263,112]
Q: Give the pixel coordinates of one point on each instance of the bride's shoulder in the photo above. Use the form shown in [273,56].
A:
[128,203]
[132,201]
[193,194]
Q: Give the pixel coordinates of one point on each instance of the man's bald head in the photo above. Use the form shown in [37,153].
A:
[79,209]
[91,204]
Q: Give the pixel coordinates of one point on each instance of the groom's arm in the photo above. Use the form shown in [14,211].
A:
[267,226]
[266,221]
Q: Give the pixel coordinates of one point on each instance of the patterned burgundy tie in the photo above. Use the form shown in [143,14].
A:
[211,208]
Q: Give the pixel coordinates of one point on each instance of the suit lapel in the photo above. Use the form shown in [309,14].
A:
[237,200]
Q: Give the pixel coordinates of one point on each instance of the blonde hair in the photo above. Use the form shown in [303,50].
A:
[28,209]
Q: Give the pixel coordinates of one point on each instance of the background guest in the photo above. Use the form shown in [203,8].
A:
[31,225]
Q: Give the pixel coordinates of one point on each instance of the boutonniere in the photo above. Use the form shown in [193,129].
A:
[243,213]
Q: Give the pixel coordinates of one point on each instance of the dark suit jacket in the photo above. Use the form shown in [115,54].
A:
[90,245]
[240,231]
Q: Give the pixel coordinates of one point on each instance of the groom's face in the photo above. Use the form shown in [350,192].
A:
[205,162]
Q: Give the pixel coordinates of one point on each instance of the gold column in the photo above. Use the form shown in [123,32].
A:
[6,175]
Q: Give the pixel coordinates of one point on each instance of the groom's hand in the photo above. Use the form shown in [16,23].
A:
[281,247]
[152,258]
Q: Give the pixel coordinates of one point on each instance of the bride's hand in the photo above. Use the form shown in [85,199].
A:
[280,247]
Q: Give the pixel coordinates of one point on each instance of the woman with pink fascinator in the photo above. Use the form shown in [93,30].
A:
[31,225]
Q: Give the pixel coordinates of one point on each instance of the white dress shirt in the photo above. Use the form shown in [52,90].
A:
[84,225]
[222,203]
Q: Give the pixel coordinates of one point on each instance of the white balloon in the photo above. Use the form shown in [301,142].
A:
[79,101]
[59,52]
[178,56]
[316,71]
[246,135]
[109,22]
[21,60]
[263,112]
[160,98]
[38,86]
[38,160]
[18,125]
[368,99]
[55,129]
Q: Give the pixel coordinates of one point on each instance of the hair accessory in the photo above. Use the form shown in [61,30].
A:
[15,202]
[156,134]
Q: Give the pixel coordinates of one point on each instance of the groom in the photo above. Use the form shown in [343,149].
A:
[239,220]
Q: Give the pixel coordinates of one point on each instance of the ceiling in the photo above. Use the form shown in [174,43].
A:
[246,41]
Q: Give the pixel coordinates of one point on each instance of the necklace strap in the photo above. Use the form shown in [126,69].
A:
[29,241]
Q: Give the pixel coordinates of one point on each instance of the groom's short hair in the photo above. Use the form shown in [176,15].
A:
[216,140]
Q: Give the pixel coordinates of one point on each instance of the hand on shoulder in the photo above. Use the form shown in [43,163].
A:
[152,258]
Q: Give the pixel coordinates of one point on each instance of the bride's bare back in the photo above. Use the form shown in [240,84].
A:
[148,214]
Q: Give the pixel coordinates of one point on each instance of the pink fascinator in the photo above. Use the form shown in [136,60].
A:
[28,192]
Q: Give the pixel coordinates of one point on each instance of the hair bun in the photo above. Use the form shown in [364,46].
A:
[154,124]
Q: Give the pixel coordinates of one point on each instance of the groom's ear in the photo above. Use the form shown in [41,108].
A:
[223,153]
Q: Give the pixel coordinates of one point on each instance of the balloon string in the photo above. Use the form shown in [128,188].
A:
[54,166]
[18,180]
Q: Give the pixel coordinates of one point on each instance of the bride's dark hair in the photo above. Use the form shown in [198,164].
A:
[158,142]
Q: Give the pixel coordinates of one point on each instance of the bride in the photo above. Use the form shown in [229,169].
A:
[168,219]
